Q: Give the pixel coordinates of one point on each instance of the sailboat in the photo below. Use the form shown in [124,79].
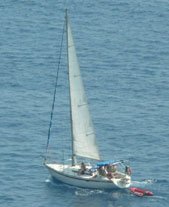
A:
[83,138]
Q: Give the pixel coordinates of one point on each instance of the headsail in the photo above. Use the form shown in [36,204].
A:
[84,141]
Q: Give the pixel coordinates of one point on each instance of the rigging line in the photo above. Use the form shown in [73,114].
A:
[54,95]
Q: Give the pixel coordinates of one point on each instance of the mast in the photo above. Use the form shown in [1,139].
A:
[71,120]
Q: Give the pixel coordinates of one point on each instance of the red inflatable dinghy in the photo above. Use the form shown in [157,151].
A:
[141,192]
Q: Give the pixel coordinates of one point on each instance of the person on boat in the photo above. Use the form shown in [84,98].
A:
[102,171]
[111,169]
[82,168]
[128,170]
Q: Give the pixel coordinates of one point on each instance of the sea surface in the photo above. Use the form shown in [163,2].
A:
[123,50]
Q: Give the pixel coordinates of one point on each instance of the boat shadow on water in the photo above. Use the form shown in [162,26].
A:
[115,195]
[74,196]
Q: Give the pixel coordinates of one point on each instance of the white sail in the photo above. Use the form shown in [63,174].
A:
[84,141]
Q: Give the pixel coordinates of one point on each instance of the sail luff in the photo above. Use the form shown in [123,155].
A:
[83,134]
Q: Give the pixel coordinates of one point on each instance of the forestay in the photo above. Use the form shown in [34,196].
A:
[84,141]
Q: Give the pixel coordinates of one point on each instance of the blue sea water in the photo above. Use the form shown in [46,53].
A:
[123,50]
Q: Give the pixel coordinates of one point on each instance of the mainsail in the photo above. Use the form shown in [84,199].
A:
[84,141]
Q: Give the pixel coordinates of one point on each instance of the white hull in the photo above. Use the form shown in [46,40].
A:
[69,175]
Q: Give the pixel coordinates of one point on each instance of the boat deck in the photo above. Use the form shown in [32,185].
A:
[70,170]
[74,171]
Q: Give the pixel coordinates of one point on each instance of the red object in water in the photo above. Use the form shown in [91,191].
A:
[141,192]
